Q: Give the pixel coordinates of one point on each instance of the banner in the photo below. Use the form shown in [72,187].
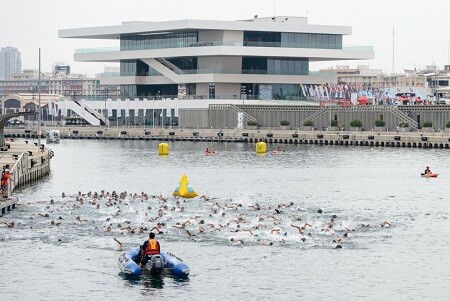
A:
[63,107]
[50,108]
[109,106]
[240,120]
[127,107]
[136,107]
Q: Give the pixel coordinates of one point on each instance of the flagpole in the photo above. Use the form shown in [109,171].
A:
[39,102]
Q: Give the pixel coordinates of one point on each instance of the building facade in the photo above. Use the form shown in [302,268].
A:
[10,62]
[258,59]
[71,85]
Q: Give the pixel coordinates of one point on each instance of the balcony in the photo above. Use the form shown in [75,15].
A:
[221,43]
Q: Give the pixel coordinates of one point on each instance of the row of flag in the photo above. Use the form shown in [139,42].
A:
[334,91]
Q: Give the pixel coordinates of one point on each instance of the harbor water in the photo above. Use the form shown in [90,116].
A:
[76,257]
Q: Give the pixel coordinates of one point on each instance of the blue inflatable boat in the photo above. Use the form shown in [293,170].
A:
[169,263]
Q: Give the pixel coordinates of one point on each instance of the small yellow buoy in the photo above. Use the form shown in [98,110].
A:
[163,149]
[261,148]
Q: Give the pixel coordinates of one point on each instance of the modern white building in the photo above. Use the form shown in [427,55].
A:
[258,59]
[10,62]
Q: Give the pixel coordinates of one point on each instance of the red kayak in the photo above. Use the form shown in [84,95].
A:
[429,175]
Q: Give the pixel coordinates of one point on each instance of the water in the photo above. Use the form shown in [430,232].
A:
[407,261]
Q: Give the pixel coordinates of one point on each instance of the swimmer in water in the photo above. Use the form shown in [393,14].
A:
[385,224]
[119,243]
[8,225]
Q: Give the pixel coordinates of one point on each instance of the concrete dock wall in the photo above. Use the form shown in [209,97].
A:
[417,139]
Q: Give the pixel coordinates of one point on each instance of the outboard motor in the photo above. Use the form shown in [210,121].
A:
[156,265]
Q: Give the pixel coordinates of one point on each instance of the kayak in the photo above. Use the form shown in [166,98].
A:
[213,153]
[429,175]
[277,152]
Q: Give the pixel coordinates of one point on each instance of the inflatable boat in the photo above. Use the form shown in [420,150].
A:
[165,263]
[429,175]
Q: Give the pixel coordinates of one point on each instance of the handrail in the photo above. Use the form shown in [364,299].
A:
[234,108]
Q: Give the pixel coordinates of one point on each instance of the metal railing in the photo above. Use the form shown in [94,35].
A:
[235,109]
[222,43]
[219,71]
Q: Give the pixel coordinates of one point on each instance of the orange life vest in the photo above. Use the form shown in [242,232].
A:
[152,247]
[5,177]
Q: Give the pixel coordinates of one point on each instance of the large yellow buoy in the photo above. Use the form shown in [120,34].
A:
[163,149]
[184,189]
[261,148]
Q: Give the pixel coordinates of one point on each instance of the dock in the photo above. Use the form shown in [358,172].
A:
[27,162]
[424,139]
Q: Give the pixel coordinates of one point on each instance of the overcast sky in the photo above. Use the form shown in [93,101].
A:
[421,27]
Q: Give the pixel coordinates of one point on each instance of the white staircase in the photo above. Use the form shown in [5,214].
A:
[163,69]
[84,111]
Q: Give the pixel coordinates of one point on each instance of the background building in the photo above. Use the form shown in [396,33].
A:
[260,58]
[57,83]
[10,62]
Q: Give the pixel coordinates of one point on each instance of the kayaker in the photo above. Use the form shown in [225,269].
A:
[149,248]
[427,170]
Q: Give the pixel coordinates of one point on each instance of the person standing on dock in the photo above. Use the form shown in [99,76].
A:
[5,180]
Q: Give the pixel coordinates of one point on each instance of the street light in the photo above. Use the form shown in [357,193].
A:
[105,112]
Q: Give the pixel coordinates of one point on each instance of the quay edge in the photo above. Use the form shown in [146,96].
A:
[417,139]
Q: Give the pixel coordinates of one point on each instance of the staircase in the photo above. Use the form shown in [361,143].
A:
[247,116]
[316,115]
[103,120]
[169,65]
[404,117]
[84,113]
[163,69]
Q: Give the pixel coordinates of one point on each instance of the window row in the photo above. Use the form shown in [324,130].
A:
[183,39]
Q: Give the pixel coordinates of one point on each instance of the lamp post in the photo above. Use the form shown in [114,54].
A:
[39,102]
[105,114]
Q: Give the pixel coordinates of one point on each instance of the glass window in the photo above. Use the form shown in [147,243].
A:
[325,41]
[332,41]
[339,41]
[318,38]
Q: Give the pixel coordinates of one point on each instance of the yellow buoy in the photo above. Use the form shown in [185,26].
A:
[163,149]
[184,189]
[261,148]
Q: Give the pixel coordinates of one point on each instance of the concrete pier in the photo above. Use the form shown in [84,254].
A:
[27,162]
[417,139]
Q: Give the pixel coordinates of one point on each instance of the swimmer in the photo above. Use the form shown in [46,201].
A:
[256,206]
[8,225]
[119,243]
[237,242]
[385,224]
[275,230]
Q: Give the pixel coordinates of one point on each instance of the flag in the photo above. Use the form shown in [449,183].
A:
[127,107]
[50,108]
[63,107]
[169,113]
[136,107]
[119,108]
[303,90]
[109,106]
[175,112]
